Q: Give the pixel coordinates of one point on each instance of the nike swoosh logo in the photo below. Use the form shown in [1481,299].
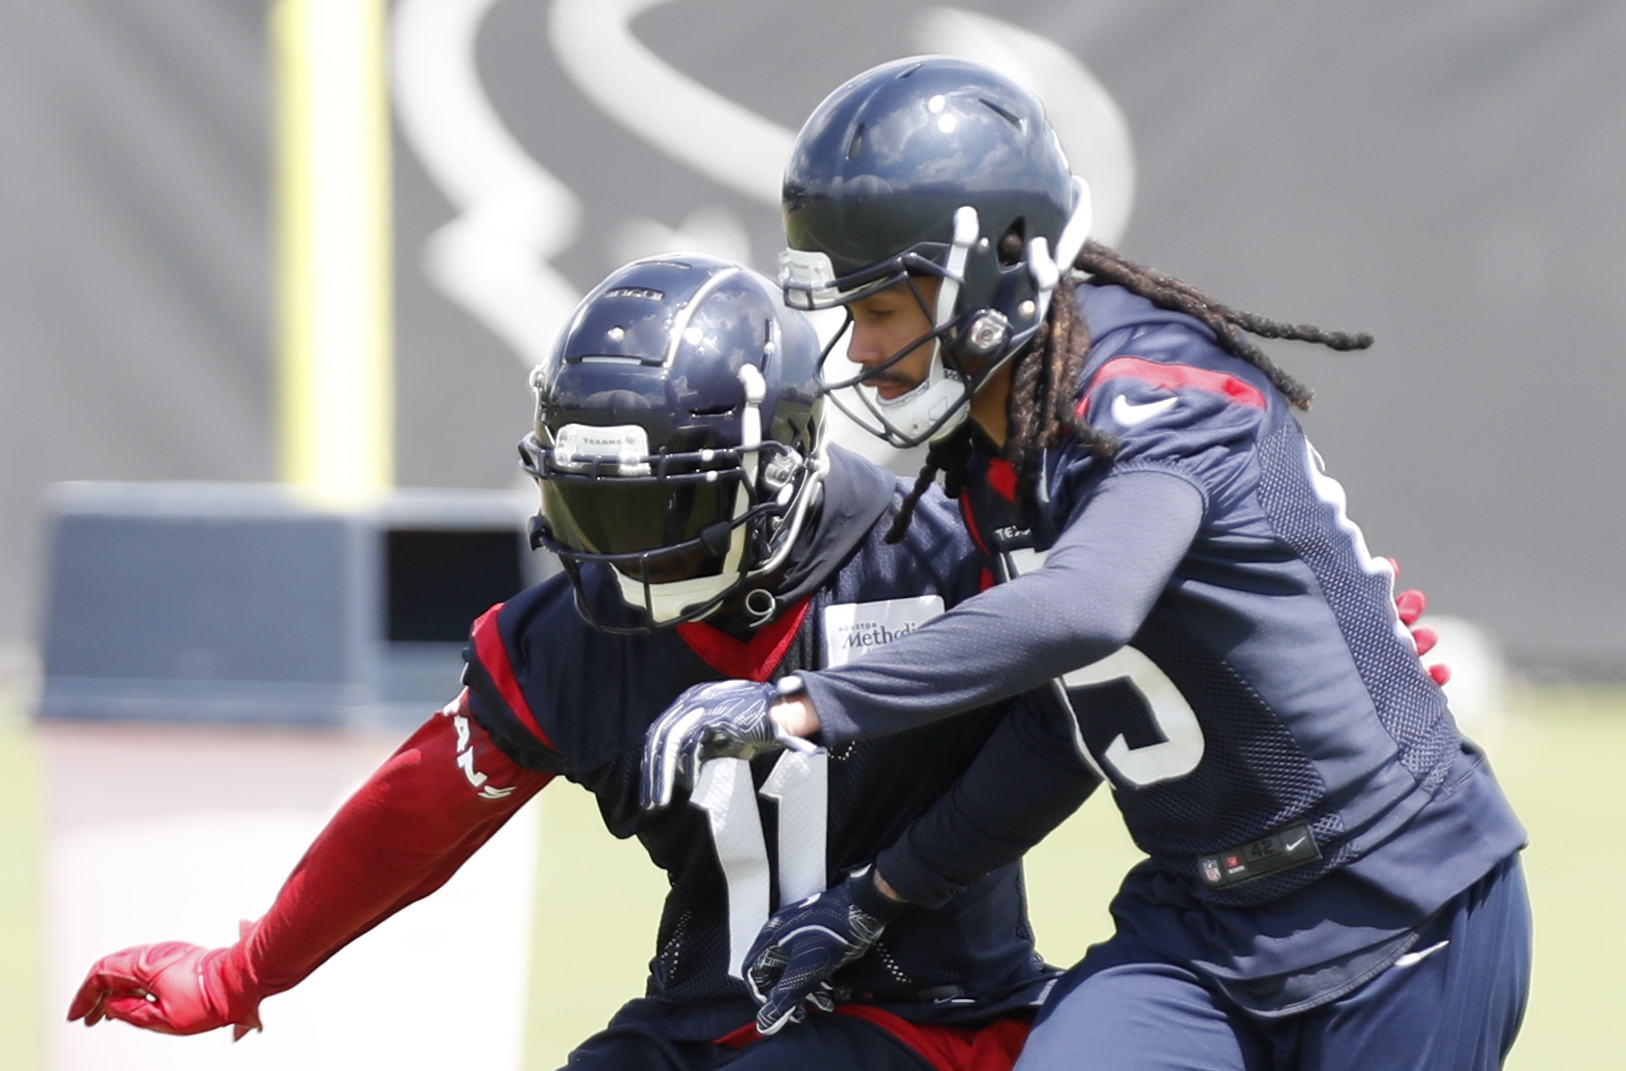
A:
[1294,844]
[1412,959]
[1130,413]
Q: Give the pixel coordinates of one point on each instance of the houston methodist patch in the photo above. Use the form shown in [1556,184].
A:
[852,628]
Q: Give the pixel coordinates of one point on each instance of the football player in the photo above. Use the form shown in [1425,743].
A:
[706,532]
[1333,877]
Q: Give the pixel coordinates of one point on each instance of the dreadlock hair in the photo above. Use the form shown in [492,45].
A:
[1045,375]
[947,455]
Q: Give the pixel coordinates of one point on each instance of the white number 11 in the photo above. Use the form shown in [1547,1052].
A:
[800,784]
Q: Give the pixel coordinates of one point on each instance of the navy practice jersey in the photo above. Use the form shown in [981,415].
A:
[561,697]
[1276,746]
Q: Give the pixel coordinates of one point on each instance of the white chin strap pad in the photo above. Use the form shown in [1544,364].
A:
[912,413]
[909,415]
[668,601]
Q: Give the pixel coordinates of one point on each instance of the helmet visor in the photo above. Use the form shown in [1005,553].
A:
[628,517]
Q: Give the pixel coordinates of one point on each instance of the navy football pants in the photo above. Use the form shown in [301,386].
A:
[822,1043]
[1445,1007]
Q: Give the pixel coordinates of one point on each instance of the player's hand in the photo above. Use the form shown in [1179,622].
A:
[1410,605]
[714,720]
[173,988]
[790,964]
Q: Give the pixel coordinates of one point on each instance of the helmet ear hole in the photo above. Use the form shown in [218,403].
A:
[1013,243]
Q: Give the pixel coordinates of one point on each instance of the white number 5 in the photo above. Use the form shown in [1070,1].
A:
[1182,746]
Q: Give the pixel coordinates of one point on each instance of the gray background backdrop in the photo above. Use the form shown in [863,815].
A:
[1448,175]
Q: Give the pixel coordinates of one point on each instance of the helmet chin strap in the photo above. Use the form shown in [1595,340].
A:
[815,468]
[1077,230]
[910,415]
[966,226]
[937,405]
[943,395]
[1047,271]
[756,389]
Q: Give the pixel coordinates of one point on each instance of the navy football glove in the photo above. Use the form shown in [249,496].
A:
[790,964]
[721,719]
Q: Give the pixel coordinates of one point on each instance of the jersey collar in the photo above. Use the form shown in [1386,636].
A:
[752,659]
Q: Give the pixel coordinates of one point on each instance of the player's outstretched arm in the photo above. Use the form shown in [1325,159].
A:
[402,835]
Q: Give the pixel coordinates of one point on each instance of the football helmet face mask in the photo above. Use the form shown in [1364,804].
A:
[931,166]
[676,441]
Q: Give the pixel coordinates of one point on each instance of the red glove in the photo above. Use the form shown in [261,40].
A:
[1410,605]
[173,988]
[399,838]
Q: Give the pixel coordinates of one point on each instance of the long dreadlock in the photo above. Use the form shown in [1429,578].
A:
[1045,375]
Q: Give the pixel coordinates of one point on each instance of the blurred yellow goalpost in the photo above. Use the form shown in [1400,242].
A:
[335,377]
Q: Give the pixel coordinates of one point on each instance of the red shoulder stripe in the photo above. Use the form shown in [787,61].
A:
[1173,376]
[493,656]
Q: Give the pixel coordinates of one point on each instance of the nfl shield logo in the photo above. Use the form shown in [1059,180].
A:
[1211,870]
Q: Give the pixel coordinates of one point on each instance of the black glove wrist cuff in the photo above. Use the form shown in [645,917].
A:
[870,899]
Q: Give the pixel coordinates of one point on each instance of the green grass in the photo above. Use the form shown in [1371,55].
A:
[1562,759]
[597,903]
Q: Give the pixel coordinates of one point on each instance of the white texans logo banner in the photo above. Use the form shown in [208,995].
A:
[510,257]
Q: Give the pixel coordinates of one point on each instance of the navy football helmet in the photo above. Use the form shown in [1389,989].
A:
[942,167]
[677,441]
